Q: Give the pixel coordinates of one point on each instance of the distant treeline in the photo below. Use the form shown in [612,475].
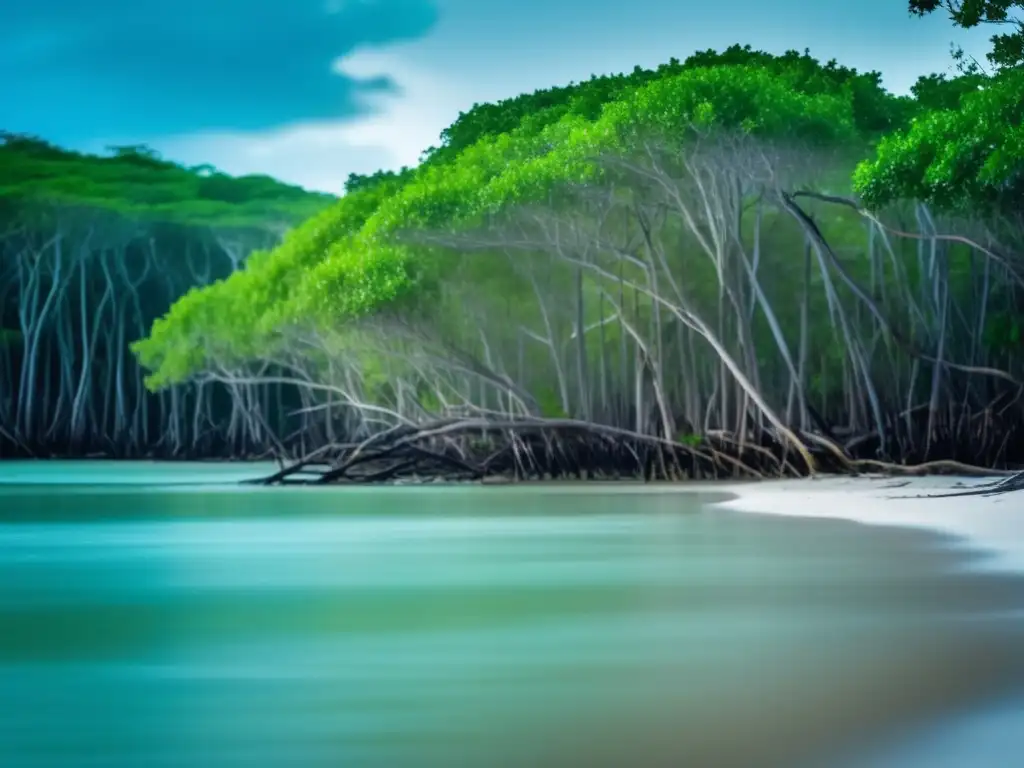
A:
[739,263]
[92,249]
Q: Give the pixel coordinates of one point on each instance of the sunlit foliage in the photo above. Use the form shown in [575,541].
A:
[1007,47]
[965,158]
[347,262]
[946,145]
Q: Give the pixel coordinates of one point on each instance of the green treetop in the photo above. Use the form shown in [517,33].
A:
[1007,47]
[964,151]
[347,262]
[135,182]
[352,259]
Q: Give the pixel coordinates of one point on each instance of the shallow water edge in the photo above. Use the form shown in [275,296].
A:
[554,624]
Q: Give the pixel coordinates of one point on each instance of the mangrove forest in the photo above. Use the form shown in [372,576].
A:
[92,250]
[735,265]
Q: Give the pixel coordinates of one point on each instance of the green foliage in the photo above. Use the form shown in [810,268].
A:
[937,92]
[692,440]
[352,259]
[1003,331]
[135,189]
[237,315]
[9,337]
[550,404]
[730,98]
[357,182]
[1007,48]
[136,183]
[964,151]
[874,110]
[965,159]
[368,269]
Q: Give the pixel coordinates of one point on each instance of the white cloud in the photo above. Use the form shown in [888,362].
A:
[399,126]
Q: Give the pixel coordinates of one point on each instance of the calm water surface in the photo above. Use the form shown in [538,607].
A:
[148,622]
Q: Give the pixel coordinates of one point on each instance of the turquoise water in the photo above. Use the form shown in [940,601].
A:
[147,620]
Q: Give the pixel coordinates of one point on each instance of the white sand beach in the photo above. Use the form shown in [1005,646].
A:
[991,525]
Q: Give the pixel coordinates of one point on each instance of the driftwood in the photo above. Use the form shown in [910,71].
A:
[1013,482]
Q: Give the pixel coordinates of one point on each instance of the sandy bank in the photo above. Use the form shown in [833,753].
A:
[992,525]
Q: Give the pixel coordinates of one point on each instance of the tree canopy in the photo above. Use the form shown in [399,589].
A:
[965,151]
[136,182]
[967,157]
[1007,47]
[874,110]
[347,261]
[723,253]
[92,249]
[644,222]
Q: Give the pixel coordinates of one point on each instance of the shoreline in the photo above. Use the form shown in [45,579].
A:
[988,529]
[991,527]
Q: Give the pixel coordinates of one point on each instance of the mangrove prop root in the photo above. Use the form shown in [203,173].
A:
[482,449]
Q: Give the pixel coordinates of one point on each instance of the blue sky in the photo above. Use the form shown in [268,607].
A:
[311,90]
